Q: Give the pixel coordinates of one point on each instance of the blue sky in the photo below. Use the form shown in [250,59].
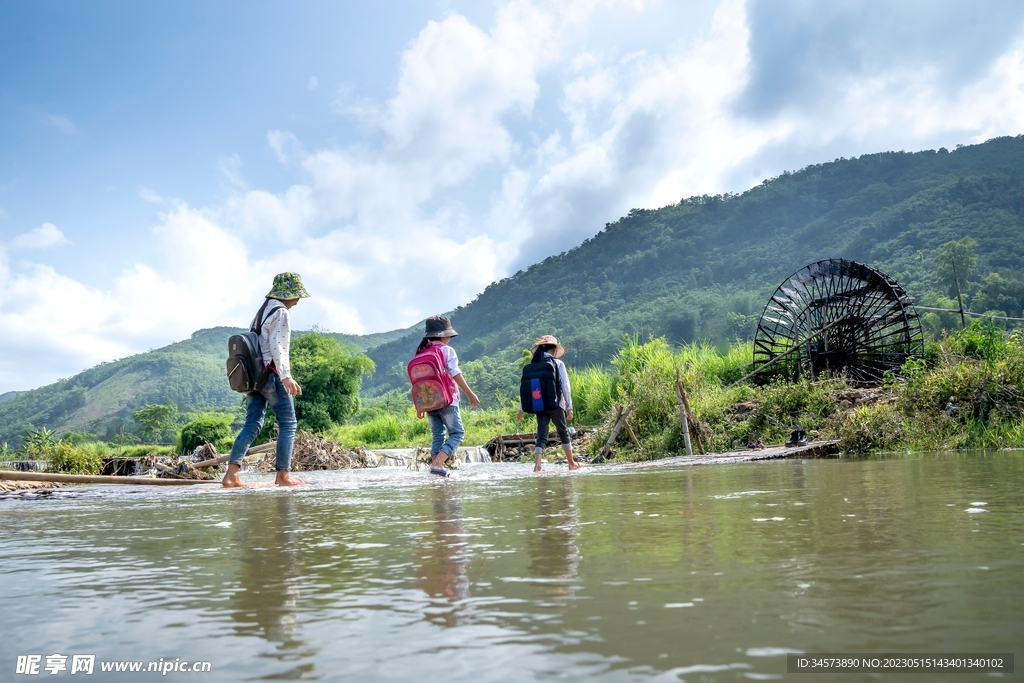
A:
[160,162]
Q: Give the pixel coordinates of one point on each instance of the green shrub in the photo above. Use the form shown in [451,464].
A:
[384,429]
[981,340]
[330,375]
[67,459]
[143,450]
[315,418]
[210,428]
[877,428]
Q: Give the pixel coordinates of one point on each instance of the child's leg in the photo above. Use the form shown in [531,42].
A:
[436,436]
[452,420]
[543,424]
[558,417]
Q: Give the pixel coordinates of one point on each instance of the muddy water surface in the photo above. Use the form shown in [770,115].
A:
[707,573]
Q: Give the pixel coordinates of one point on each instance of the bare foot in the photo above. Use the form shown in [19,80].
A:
[575,465]
[536,468]
[285,479]
[231,480]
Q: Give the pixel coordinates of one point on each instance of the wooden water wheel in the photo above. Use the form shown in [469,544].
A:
[839,317]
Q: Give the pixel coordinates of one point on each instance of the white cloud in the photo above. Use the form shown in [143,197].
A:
[500,145]
[45,236]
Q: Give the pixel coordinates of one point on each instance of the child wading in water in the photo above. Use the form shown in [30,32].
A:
[437,334]
[545,391]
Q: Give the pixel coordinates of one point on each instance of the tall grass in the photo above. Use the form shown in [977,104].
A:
[593,393]
[400,428]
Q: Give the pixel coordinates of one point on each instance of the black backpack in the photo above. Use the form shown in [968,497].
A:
[539,389]
[246,371]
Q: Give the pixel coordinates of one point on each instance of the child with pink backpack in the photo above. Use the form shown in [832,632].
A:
[436,380]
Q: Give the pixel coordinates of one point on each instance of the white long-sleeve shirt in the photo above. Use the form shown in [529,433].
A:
[565,400]
[276,338]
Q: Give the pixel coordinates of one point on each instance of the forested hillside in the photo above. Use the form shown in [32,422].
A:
[703,268]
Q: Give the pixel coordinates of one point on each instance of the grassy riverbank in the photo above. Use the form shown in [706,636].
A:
[965,393]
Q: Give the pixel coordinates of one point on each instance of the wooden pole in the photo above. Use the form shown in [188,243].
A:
[959,299]
[693,423]
[632,436]
[98,479]
[682,418]
[616,427]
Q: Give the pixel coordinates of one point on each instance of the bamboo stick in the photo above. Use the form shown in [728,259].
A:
[616,427]
[694,432]
[632,436]
[959,299]
[682,418]
[97,479]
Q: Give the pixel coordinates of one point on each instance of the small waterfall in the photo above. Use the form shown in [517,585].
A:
[406,457]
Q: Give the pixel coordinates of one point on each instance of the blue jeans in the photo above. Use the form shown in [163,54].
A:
[283,406]
[447,418]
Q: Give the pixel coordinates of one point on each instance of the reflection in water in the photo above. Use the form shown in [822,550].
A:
[444,558]
[266,604]
[706,573]
[552,542]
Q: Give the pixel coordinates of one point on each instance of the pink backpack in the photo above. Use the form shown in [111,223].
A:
[432,387]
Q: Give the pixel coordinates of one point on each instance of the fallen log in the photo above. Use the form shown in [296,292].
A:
[11,475]
[169,471]
[255,450]
[213,463]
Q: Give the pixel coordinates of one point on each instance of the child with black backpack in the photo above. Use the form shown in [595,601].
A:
[545,392]
[436,380]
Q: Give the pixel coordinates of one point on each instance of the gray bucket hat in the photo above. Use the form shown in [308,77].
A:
[438,327]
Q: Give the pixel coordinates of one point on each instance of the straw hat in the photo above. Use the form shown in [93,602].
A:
[546,340]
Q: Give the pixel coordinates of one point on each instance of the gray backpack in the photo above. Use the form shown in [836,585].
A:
[246,371]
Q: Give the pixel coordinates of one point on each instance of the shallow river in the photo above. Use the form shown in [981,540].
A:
[707,573]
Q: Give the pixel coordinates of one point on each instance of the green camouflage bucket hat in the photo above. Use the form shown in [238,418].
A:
[287,286]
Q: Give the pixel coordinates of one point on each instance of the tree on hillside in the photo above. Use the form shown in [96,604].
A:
[962,253]
[156,420]
[330,377]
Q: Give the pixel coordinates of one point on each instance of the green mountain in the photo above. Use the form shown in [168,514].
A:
[100,400]
[704,268]
[699,269]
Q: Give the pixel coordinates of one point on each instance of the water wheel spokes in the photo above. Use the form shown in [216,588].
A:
[837,317]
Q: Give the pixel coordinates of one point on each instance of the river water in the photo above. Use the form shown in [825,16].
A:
[700,573]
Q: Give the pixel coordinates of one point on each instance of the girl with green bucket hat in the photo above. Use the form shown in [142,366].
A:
[274,325]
